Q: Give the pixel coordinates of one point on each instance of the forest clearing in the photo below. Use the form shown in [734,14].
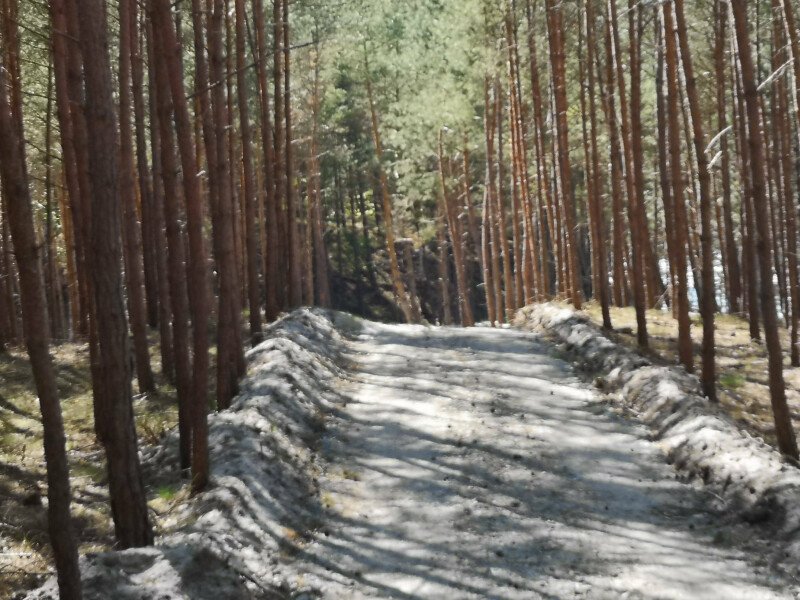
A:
[429,299]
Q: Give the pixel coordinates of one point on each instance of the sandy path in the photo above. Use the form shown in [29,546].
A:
[472,464]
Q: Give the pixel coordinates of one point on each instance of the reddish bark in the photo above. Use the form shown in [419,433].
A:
[127,184]
[685,350]
[13,177]
[249,188]
[555,27]
[112,389]
[784,433]
[707,301]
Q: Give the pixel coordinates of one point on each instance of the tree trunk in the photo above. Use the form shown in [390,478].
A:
[545,208]
[279,172]
[407,305]
[490,265]
[115,426]
[615,158]
[150,231]
[791,212]
[65,112]
[167,350]
[228,334]
[472,219]
[708,303]
[137,308]
[663,167]
[249,191]
[593,185]
[651,274]
[271,260]
[734,278]
[749,260]
[292,240]
[491,186]
[444,264]
[196,268]
[555,29]
[500,210]
[13,177]
[685,350]
[633,185]
[784,432]
[317,224]
[450,213]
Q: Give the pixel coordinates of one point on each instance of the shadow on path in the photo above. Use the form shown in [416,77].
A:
[471,464]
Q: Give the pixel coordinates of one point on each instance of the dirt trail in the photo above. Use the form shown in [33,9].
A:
[473,464]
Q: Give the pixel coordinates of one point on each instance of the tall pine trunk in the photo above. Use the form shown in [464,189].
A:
[228,334]
[707,301]
[791,213]
[784,433]
[249,191]
[555,27]
[593,185]
[14,181]
[113,397]
[633,184]
[127,184]
[685,349]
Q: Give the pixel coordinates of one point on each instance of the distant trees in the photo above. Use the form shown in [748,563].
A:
[408,304]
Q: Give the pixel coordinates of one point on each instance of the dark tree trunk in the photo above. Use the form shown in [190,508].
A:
[749,260]
[178,291]
[555,27]
[65,111]
[636,221]
[734,278]
[593,185]
[150,227]
[249,191]
[615,158]
[197,274]
[137,308]
[685,350]
[113,398]
[292,238]
[13,178]
[317,224]
[271,260]
[791,207]
[228,313]
[707,301]
[159,233]
[278,166]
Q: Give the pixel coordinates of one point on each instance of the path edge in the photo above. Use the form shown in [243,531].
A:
[748,477]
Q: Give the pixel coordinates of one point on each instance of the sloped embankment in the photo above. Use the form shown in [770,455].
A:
[229,541]
[749,478]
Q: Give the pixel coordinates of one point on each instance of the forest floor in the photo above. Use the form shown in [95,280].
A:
[25,557]
[384,461]
[742,383]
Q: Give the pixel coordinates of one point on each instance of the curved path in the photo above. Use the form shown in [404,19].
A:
[474,464]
